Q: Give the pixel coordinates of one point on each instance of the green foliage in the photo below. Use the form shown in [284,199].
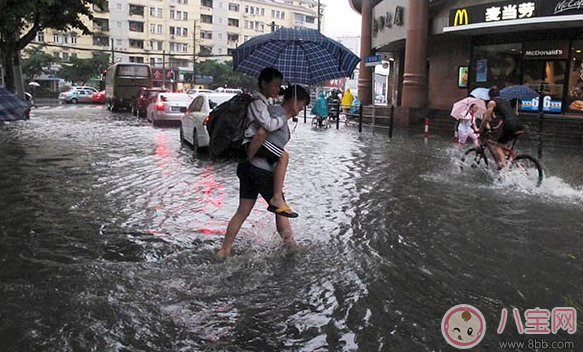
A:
[79,71]
[224,75]
[36,62]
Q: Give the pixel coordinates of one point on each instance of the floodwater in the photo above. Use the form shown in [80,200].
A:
[108,229]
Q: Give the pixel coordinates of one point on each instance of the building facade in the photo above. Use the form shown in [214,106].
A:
[173,33]
[441,50]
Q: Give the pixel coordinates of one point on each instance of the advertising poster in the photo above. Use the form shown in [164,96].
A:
[462,80]
[482,70]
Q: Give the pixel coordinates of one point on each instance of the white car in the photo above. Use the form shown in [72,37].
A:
[193,123]
[166,108]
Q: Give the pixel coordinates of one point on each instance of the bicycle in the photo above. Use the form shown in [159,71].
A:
[526,165]
[325,123]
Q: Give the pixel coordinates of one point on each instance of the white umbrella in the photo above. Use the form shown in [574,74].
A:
[34,84]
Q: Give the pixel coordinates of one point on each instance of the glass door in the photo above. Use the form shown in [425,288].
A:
[553,73]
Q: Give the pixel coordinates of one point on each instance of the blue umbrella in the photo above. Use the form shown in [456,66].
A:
[518,92]
[481,93]
[304,56]
[12,108]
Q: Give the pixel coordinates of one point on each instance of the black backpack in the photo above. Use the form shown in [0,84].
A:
[226,127]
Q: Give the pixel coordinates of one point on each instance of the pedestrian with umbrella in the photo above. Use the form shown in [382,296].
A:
[466,111]
[12,108]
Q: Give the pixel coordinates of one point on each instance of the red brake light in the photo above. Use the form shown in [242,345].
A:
[160,106]
[206,119]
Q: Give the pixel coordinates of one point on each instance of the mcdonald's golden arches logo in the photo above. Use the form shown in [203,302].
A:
[461,18]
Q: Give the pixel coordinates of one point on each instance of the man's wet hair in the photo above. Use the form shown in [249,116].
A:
[268,74]
[494,92]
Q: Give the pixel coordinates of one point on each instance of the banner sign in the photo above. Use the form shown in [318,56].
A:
[549,105]
[500,12]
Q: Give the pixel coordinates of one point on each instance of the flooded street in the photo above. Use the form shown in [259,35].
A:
[108,230]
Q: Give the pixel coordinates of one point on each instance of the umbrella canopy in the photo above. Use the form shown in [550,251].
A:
[462,107]
[12,108]
[481,93]
[33,84]
[521,92]
[304,56]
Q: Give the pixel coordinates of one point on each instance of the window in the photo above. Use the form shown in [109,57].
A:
[155,12]
[220,35]
[310,19]
[136,10]
[66,58]
[138,59]
[230,51]
[206,34]
[156,45]
[73,39]
[233,7]
[206,18]
[118,7]
[179,1]
[178,47]
[178,15]
[220,20]
[118,24]
[40,36]
[118,42]
[57,38]
[179,31]
[232,37]
[155,61]
[99,40]
[65,39]
[262,12]
[233,22]
[205,50]
[196,105]
[136,44]
[220,51]
[136,26]
[100,24]
[101,8]
[207,3]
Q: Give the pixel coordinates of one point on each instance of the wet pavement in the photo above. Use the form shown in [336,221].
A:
[108,230]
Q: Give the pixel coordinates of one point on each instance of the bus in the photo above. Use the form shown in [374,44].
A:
[123,82]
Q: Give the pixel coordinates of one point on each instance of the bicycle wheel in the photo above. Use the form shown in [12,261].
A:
[475,159]
[529,169]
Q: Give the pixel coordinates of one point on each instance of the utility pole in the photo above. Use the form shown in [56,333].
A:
[163,68]
[194,55]
[112,53]
[272,26]
[319,19]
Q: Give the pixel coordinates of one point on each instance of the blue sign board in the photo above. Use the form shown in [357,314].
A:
[549,105]
[373,60]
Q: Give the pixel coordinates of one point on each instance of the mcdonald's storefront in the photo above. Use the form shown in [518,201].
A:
[477,43]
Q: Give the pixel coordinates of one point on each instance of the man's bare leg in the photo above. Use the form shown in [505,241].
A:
[243,211]
[285,231]
[502,157]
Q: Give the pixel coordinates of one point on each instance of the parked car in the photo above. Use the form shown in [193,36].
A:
[166,108]
[99,97]
[77,95]
[87,88]
[144,98]
[196,91]
[193,123]
[229,90]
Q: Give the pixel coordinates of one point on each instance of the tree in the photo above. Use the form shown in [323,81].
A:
[36,63]
[20,20]
[223,75]
[81,70]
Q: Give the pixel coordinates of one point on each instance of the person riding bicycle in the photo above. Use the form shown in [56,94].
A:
[511,124]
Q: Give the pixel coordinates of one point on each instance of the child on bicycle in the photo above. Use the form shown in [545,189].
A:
[467,127]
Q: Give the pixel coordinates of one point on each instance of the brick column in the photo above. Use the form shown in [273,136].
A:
[365,73]
[415,77]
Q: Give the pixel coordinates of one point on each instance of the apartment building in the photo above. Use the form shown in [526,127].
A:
[166,31]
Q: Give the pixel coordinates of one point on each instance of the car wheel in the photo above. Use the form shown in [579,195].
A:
[182,140]
[195,147]
[74,101]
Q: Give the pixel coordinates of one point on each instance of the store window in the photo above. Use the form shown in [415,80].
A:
[499,64]
[574,102]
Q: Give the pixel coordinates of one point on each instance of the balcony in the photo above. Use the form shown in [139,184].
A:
[136,10]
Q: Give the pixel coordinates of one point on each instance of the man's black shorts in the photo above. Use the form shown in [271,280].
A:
[510,131]
[254,181]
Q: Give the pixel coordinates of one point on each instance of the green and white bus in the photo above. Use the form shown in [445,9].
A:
[123,81]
